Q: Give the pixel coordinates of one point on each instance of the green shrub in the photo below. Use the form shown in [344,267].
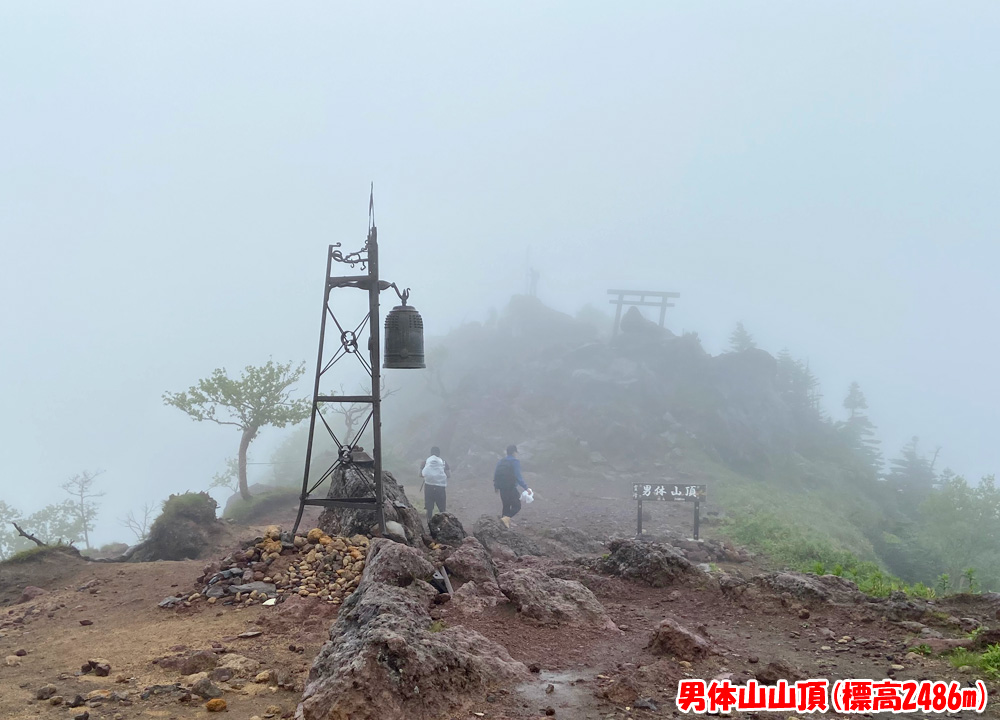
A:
[260,506]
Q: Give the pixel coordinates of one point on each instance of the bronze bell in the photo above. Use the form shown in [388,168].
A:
[404,338]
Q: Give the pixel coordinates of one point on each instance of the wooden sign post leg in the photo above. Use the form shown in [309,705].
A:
[697,518]
[638,520]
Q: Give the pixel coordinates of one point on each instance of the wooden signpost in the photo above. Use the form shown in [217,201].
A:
[670,492]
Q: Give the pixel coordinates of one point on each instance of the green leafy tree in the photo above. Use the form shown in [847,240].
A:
[740,340]
[81,489]
[10,541]
[57,523]
[962,522]
[228,479]
[260,397]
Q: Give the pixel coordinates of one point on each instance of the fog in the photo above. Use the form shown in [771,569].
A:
[172,174]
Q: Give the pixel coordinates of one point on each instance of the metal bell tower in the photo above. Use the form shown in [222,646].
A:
[404,349]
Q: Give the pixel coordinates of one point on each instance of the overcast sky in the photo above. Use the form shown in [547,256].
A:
[171,174]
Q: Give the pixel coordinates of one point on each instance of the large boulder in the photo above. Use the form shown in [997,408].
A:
[501,541]
[355,481]
[395,564]
[474,597]
[446,529]
[672,638]
[184,530]
[809,588]
[652,563]
[387,660]
[471,562]
[553,601]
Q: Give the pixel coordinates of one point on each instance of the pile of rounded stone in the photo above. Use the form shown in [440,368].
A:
[278,565]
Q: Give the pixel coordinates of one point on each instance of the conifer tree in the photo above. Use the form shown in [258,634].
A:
[740,340]
[858,430]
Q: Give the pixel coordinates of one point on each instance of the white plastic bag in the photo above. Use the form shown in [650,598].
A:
[527,496]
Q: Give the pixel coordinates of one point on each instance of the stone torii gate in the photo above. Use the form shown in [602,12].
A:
[638,298]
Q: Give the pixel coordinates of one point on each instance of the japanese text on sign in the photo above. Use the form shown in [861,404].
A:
[845,696]
[668,491]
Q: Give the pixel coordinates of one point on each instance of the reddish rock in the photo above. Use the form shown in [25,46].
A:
[470,561]
[672,638]
[552,600]
[30,593]
[191,663]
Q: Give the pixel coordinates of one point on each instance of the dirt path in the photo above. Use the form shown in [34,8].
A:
[592,673]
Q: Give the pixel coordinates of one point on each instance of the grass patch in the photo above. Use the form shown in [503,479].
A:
[793,545]
[38,553]
[987,662]
[259,506]
[437,626]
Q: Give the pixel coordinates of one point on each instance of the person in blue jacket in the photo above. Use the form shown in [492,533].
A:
[508,482]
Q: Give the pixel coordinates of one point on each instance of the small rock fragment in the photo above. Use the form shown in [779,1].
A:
[45,692]
[204,688]
[215,705]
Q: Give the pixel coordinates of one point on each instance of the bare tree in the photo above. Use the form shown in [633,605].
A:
[83,509]
[139,523]
[354,413]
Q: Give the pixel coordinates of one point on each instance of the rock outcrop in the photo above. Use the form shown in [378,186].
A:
[672,638]
[553,601]
[355,481]
[810,588]
[652,563]
[387,660]
[501,541]
[446,529]
[183,531]
[471,562]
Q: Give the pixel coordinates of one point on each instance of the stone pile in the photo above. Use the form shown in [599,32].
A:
[278,565]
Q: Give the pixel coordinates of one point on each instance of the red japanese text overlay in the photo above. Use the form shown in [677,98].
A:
[906,696]
[817,695]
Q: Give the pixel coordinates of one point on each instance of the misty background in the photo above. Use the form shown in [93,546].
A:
[173,173]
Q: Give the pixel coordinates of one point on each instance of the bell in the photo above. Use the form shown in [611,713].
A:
[404,339]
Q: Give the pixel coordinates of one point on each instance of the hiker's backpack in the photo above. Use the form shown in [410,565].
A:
[504,475]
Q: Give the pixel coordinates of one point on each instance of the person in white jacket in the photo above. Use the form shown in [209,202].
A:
[435,473]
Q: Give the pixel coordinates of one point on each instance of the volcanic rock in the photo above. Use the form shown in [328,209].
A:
[812,588]
[190,663]
[470,561]
[386,660]
[355,481]
[672,638]
[501,541]
[446,529]
[553,600]
[30,593]
[395,564]
[653,563]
